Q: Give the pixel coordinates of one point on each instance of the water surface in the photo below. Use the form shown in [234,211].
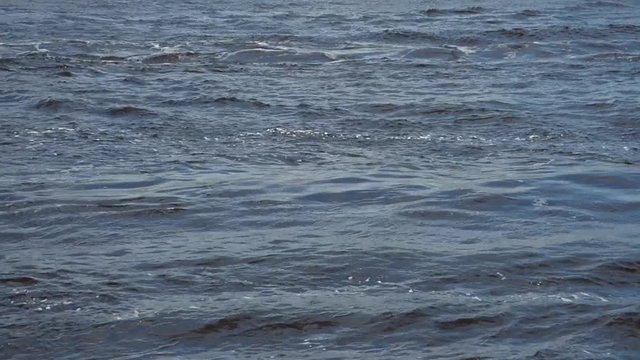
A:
[323,180]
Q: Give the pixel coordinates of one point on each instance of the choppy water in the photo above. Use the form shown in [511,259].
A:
[327,180]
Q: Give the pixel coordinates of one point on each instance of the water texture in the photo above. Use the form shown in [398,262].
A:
[341,179]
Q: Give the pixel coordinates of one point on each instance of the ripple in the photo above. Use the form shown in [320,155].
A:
[320,180]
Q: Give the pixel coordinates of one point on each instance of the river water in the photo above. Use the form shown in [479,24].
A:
[339,179]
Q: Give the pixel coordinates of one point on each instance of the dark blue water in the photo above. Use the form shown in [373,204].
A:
[324,180]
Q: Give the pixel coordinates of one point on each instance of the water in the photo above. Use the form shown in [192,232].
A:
[324,180]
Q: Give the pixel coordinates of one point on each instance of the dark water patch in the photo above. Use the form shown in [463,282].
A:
[601,4]
[490,202]
[625,122]
[498,119]
[555,32]
[472,10]
[141,207]
[129,111]
[514,32]
[206,262]
[65,73]
[390,322]
[361,197]
[7,63]
[247,223]
[225,324]
[244,325]
[19,281]
[345,180]
[172,58]
[628,181]
[239,192]
[630,267]
[112,58]
[628,322]
[444,184]
[131,183]
[601,105]
[530,13]
[382,108]
[219,262]
[622,57]
[270,56]
[135,80]
[62,212]
[619,273]
[402,35]
[464,323]
[625,28]
[577,271]
[51,104]
[432,53]
[166,211]
[296,326]
[232,100]
[435,215]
